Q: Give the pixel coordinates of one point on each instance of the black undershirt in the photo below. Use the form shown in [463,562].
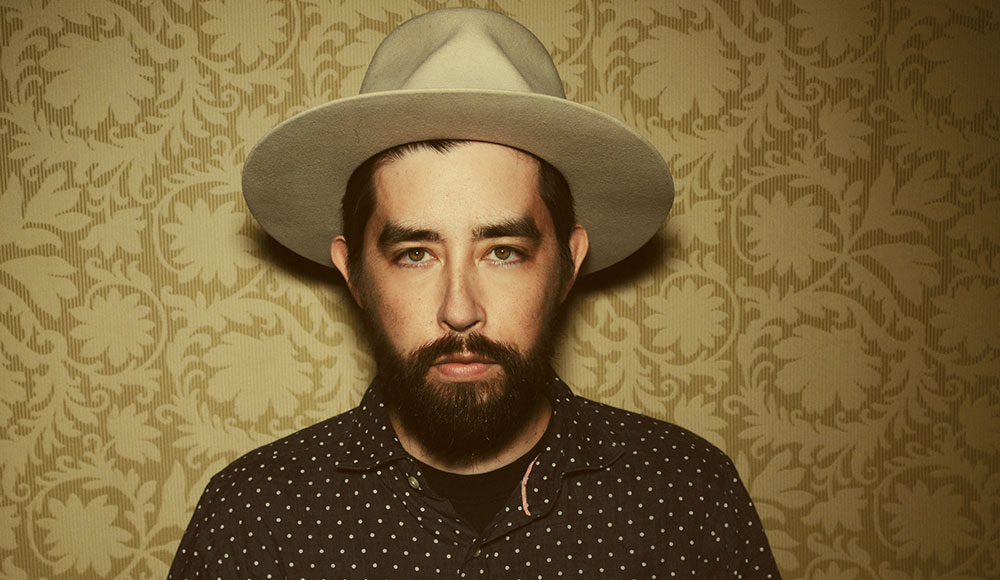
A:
[479,497]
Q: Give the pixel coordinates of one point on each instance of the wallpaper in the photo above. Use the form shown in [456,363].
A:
[823,303]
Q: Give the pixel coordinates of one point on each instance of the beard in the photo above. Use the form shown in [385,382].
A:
[459,423]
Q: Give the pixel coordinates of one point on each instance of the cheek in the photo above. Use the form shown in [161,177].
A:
[519,314]
[405,318]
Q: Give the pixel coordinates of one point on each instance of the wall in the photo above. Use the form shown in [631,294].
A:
[824,303]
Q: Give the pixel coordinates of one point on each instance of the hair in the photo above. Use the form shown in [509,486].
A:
[359,201]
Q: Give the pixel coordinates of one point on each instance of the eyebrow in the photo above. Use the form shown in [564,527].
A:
[521,227]
[394,233]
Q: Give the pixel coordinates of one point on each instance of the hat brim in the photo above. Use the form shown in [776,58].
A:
[295,177]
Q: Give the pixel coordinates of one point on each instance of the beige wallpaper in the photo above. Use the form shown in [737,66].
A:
[824,303]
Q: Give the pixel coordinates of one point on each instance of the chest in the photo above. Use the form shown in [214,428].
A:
[389,524]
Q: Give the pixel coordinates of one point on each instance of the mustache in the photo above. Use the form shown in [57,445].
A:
[474,343]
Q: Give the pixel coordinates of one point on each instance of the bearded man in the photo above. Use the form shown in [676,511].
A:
[472,195]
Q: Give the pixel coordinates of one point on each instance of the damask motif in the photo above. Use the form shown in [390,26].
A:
[689,317]
[844,132]
[113,327]
[963,322]
[929,523]
[96,78]
[119,232]
[269,377]
[701,49]
[786,235]
[837,28]
[10,521]
[979,421]
[960,57]
[83,537]
[207,243]
[822,303]
[133,437]
[826,368]
[253,28]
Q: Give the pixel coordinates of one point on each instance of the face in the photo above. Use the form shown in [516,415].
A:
[461,281]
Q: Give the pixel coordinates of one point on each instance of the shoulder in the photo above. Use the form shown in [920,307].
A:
[676,476]
[658,459]
[635,431]
[660,446]
[271,464]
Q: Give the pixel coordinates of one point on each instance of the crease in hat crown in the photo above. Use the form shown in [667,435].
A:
[462,48]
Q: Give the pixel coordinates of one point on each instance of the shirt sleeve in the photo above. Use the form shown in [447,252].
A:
[223,541]
[750,555]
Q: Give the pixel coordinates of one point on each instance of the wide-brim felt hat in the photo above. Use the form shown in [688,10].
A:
[458,73]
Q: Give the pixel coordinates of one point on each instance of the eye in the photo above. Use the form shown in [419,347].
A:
[413,256]
[504,254]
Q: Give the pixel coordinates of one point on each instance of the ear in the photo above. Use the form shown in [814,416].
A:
[579,243]
[338,253]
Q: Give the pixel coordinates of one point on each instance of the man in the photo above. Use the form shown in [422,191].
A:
[456,170]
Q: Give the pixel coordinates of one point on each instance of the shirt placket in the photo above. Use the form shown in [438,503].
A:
[454,542]
[541,494]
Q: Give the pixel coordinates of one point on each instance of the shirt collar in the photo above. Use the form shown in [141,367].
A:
[371,440]
[581,444]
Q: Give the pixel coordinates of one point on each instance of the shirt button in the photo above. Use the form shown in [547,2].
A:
[413,482]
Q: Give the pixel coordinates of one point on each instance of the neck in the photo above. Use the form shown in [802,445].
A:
[524,439]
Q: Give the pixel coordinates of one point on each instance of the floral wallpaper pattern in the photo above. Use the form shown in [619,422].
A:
[823,304]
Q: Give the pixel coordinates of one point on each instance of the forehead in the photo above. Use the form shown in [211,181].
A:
[472,181]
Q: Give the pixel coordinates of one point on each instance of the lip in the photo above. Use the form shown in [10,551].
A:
[464,367]
[463,358]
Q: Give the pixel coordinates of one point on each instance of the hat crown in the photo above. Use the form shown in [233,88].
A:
[462,48]
[458,73]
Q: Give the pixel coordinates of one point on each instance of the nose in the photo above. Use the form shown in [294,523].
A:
[461,309]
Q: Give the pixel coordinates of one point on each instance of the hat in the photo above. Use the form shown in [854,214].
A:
[458,73]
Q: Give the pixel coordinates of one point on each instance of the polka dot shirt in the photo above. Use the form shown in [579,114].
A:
[612,494]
